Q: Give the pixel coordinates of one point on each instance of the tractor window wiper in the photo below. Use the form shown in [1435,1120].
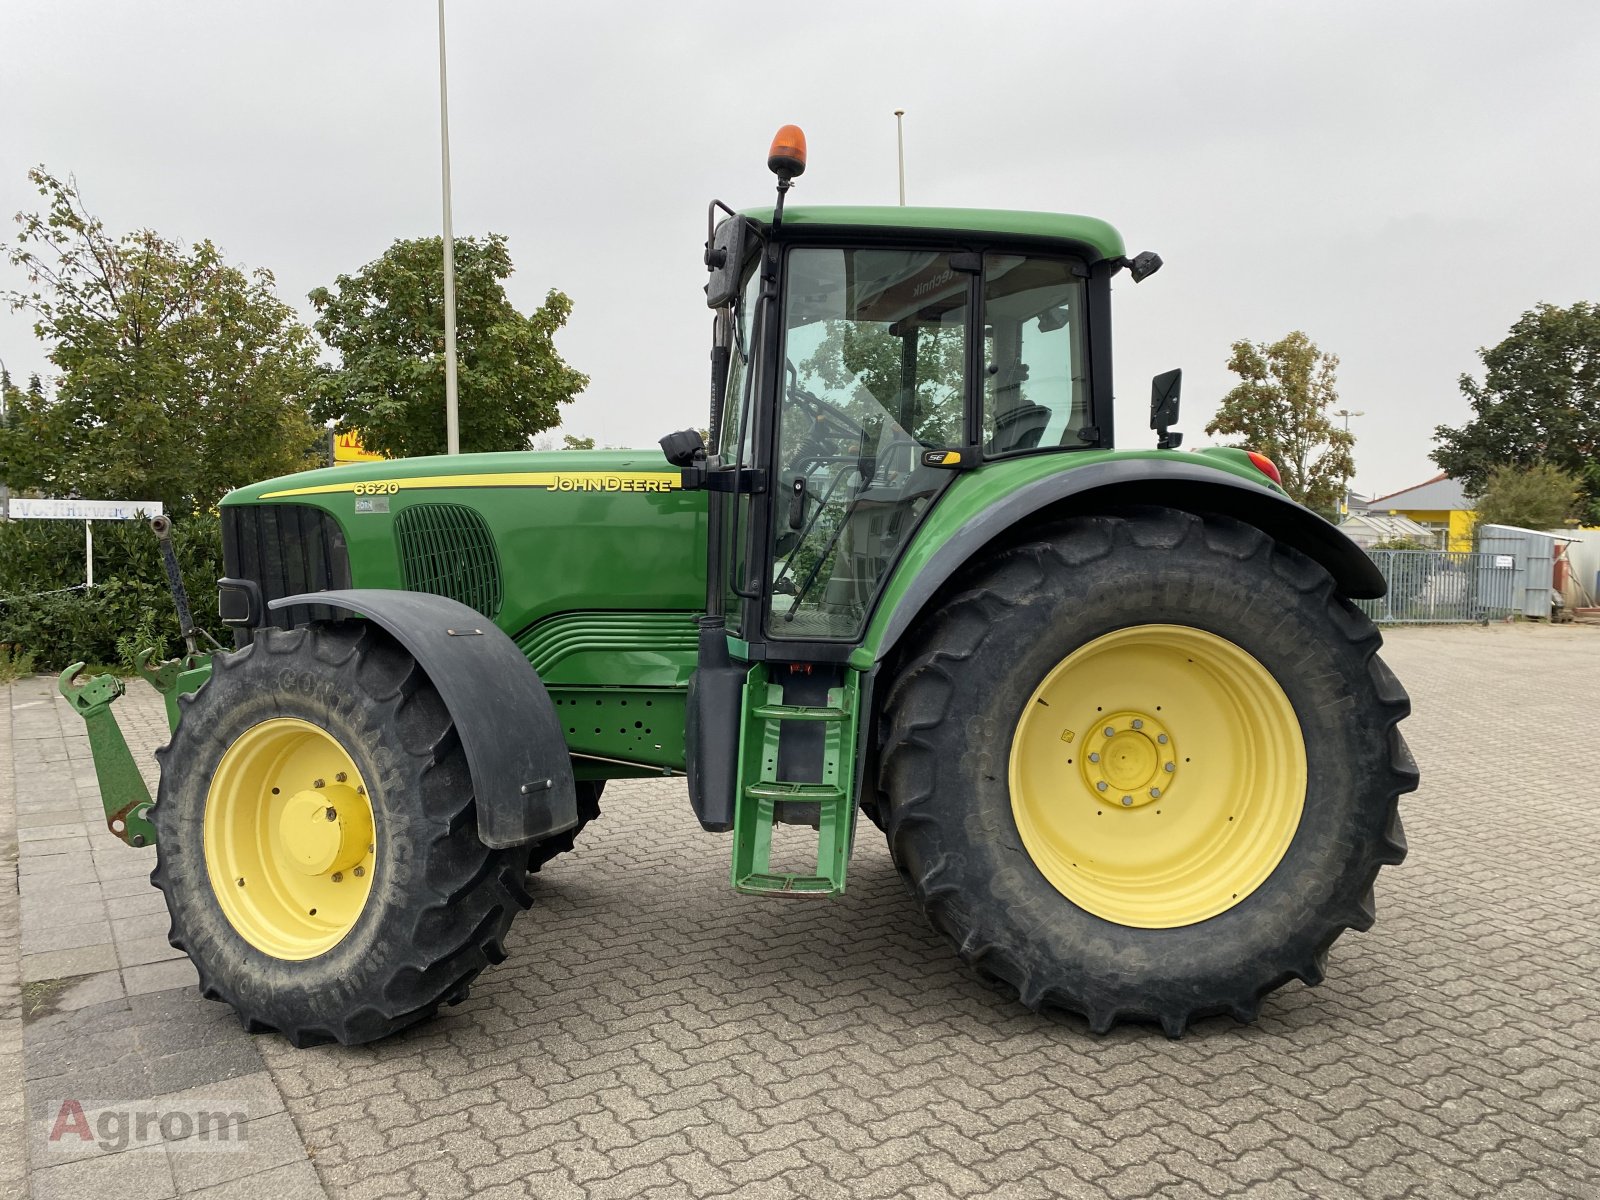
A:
[827,551]
[806,527]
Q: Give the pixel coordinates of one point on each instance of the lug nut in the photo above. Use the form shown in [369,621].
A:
[1094,758]
[331,813]
[341,777]
[1171,767]
[1127,800]
[361,791]
[338,876]
[1102,785]
[317,783]
[1155,793]
[1137,724]
[1109,731]
[360,871]
[1162,738]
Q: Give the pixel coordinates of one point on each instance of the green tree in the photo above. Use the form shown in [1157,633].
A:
[1536,497]
[569,442]
[387,324]
[1282,408]
[1538,402]
[11,399]
[180,376]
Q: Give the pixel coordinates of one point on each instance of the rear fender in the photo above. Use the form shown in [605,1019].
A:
[1114,483]
[521,774]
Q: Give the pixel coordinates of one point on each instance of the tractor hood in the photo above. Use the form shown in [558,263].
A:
[564,550]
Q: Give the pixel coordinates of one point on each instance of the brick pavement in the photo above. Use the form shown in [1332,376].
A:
[109,1015]
[653,1035]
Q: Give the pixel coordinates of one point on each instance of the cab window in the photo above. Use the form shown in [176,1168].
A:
[1035,378]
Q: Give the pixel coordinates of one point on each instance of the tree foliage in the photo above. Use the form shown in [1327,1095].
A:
[47,613]
[1400,543]
[1282,407]
[387,323]
[865,362]
[572,442]
[1536,497]
[1538,403]
[180,376]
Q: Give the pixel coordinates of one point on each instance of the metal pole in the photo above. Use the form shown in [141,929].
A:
[452,430]
[88,554]
[1344,506]
[900,138]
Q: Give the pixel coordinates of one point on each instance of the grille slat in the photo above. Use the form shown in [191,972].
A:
[447,550]
[286,549]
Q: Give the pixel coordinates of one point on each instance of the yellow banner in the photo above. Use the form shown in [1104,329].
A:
[347,448]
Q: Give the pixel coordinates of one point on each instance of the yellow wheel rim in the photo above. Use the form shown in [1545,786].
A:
[1158,775]
[288,836]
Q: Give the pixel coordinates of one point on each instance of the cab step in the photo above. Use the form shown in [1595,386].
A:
[761,792]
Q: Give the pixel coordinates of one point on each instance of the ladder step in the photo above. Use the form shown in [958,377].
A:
[764,798]
[799,712]
[808,792]
[800,886]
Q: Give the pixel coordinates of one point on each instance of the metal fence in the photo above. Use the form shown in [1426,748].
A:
[1440,586]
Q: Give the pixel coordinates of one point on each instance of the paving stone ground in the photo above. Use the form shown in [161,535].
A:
[653,1035]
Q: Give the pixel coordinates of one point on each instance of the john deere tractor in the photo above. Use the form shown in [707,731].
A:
[1131,743]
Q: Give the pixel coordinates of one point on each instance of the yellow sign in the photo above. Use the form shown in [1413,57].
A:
[347,447]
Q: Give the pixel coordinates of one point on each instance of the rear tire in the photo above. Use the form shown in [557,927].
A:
[956,748]
[588,810]
[438,903]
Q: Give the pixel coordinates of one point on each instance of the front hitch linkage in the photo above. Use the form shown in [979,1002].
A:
[123,791]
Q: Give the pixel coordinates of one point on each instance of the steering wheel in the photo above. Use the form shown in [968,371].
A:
[830,423]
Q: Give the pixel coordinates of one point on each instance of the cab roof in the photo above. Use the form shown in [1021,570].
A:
[1088,234]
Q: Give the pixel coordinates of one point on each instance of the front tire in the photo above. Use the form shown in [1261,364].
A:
[317,839]
[1246,772]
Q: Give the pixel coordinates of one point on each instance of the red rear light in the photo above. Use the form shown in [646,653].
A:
[1266,466]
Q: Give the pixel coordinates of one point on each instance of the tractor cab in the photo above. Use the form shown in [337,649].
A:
[864,358]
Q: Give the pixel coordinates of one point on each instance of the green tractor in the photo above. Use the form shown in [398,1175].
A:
[1130,741]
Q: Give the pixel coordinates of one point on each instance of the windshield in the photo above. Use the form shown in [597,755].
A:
[874,355]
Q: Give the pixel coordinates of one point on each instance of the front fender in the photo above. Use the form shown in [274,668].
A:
[521,773]
[1173,482]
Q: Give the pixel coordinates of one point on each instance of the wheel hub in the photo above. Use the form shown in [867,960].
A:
[1129,760]
[325,830]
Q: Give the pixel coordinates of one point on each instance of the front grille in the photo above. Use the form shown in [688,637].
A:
[446,549]
[287,549]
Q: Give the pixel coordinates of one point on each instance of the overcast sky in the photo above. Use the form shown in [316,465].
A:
[1399,180]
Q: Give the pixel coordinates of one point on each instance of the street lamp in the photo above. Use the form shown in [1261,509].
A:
[900,138]
[452,428]
[1347,414]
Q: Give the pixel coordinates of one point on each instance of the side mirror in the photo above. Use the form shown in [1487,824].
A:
[1164,390]
[684,448]
[1143,265]
[724,258]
